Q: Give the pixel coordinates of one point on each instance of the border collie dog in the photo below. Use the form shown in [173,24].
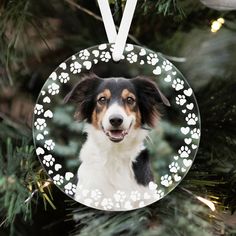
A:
[115,110]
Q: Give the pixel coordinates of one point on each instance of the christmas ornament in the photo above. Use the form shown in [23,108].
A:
[221,5]
[116,93]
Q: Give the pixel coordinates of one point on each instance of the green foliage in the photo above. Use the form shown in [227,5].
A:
[13,18]
[16,179]
[20,179]
[177,214]
[165,7]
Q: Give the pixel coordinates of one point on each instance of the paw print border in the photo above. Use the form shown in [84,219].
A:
[83,61]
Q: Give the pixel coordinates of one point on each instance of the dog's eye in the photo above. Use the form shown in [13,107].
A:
[102,100]
[130,100]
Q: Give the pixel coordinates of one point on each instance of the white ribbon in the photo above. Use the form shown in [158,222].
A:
[120,38]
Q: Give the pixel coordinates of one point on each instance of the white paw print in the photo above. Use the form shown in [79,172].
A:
[107,203]
[174,167]
[184,152]
[64,77]
[180,100]
[38,109]
[132,57]
[166,180]
[195,133]
[105,56]
[96,194]
[152,186]
[75,67]
[53,89]
[58,179]
[152,59]
[49,144]
[40,124]
[178,84]
[191,119]
[84,54]
[159,194]
[48,160]
[135,196]
[88,201]
[119,196]
[128,205]
[70,188]
[166,65]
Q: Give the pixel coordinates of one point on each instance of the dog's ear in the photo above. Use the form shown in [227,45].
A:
[82,96]
[149,98]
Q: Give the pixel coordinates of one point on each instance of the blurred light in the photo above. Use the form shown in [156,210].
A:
[210,204]
[217,24]
[221,20]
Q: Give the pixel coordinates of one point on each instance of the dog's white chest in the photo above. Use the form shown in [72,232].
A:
[106,167]
[107,171]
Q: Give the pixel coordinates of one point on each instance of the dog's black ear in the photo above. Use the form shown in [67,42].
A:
[149,98]
[82,96]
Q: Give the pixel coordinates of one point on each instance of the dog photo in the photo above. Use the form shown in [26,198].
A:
[118,114]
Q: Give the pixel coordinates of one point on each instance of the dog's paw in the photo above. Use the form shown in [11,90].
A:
[178,84]
[166,65]
[119,196]
[135,196]
[53,89]
[174,167]
[107,203]
[40,124]
[152,59]
[75,67]
[191,119]
[38,109]
[105,56]
[48,160]
[166,180]
[195,133]
[70,189]
[58,179]
[132,57]
[84,54]
[184,152]
[180,100]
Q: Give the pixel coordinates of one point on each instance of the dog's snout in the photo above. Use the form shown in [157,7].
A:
[116,120]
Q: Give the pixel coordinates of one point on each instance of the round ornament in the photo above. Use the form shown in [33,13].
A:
[116,136]
[221,5]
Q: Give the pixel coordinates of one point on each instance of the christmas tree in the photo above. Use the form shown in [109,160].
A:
[198,37]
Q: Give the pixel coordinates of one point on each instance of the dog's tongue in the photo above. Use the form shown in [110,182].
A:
[117,134]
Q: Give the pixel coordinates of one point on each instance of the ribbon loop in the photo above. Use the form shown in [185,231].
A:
[120,38]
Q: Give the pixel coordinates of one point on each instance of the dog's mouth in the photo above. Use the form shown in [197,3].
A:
[116,135]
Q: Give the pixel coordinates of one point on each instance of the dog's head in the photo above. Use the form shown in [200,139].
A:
[117,105]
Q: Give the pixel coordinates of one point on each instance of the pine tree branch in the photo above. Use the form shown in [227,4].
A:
[71,2]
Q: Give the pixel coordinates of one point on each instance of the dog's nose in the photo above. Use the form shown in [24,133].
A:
[116,120]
